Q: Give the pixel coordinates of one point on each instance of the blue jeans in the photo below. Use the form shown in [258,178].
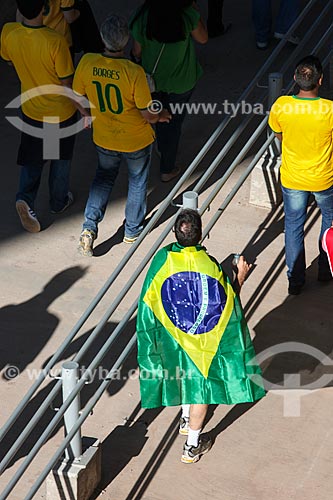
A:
[295,207]
[58,183]
[262,17]
[138,163]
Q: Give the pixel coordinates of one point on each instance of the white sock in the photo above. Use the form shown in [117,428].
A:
[186,411]
[193,437]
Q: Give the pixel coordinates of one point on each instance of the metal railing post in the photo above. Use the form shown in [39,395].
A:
[70,376]
[275,84]
[190,200]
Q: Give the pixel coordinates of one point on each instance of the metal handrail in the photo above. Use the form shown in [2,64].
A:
[46,403]
[56,419]
[202,153]
[104,289]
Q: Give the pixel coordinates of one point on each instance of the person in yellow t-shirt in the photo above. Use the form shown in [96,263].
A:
[119,99]
[40,57]
[304,125]
[58,15]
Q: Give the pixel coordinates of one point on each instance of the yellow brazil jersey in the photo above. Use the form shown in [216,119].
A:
[40,57]
[306,125]
[117,90]
[54,17]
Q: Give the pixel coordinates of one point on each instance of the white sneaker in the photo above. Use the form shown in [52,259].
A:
[294,39]
[192,454]
[28,217]
[130,239]
[184,425]
[262,45]
[86,242]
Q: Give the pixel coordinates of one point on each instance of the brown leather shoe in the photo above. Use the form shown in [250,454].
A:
[170,175]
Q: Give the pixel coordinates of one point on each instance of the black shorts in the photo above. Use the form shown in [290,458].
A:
[31,148]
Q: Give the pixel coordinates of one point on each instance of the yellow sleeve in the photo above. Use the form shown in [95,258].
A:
[3,49]
[273,119]
[63,60]
[66,4]
[142,95]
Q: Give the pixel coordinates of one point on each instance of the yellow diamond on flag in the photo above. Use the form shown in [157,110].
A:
[193,302]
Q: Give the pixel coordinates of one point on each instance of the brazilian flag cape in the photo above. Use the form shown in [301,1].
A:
[194,346]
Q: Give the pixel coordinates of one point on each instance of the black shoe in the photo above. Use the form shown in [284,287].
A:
[295,289]
[324,276]
[28,217]
[216,31]
[70,201]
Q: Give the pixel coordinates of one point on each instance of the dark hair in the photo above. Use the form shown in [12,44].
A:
[188,228]
[164,19]
[30,8]
[308,72]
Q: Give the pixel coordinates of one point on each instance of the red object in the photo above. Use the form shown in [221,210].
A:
[327,244]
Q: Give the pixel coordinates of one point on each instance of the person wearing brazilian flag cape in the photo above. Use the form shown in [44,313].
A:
[194,347]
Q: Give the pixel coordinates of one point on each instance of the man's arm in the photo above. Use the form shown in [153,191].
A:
[199,34]
[278,136]
[71,15]
[67,82]
[243,269]
[78,101]
[136,52]
[161,116]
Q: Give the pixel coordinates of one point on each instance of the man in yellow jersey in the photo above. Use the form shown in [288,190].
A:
[118,92]
[304,125]
[58,15]
[40,57]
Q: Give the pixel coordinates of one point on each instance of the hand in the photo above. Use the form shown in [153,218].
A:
[243,270]
[165,116]
[87,121]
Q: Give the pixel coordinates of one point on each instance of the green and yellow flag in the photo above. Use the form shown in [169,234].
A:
[193,342]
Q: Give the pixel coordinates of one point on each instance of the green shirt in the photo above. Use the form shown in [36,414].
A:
[178,69]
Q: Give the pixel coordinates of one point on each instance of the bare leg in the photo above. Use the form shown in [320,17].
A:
[197,416]
[196,444]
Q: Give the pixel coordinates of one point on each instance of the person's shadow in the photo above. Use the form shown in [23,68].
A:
[296,338]
[27,327]
[128,439]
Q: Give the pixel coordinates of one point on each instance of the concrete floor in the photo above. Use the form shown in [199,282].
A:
[279,448]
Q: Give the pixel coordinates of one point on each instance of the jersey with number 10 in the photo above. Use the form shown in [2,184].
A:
[117,90]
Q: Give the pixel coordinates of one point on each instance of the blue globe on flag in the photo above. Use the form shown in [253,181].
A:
[193,301]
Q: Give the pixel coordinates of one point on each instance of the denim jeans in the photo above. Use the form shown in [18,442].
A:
[58,183]
[138,163]
[168,134]
[295,207]
[262,17]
